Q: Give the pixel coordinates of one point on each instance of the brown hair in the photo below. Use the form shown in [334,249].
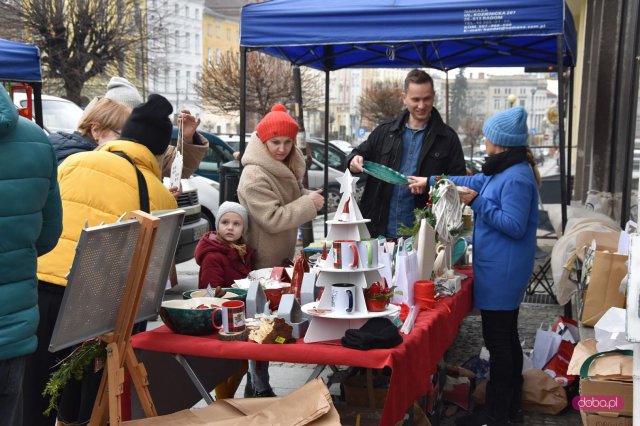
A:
[532,162]
[104,113]
[417,76]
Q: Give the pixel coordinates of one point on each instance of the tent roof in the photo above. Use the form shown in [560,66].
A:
[440,34]
[19,62]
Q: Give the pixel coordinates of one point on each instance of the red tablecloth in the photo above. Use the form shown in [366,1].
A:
[412,362]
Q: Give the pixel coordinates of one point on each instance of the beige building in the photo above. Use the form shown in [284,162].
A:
[220,35]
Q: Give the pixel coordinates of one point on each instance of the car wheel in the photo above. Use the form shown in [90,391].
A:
[208,216]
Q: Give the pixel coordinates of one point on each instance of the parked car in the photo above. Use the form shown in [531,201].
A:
[58,114]
[209,197]
[217,154]
[345,146]
[194,225]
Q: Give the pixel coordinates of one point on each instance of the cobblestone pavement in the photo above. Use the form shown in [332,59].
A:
[469,342]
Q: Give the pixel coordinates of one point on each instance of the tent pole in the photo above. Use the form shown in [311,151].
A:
[326,149]
[307,227]
[561,130]
[446,85]
[569,134]
[37,104]
[243,99]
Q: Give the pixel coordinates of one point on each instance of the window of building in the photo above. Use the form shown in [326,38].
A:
[196,13]
[218,30]
[496,104]
[496,91]
[178,84]
[218,57]
[197,46]
[176,42]
[188,81]
[228,34]
[522,103]
[507,90]
[238,35]
[209,55]
[186,11]
[177,10]
[209,30]
[166,81]
[187,42]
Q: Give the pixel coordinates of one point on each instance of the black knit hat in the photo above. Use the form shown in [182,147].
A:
[149,124]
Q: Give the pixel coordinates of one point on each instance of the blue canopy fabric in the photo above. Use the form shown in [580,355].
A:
[440,34]
[19,62]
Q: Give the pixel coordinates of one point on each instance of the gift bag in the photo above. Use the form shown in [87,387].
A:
[545,347]
[426,244]
[611,331]
[406,275]
[567,329]
[602,283]
[384,259]
[557,367]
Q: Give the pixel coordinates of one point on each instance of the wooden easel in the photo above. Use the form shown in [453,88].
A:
[120,353]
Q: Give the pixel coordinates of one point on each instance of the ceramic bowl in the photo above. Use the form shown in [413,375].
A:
[233,294]
[183,317]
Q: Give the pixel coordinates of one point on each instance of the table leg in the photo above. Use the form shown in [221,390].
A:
[194,378]
[316,372]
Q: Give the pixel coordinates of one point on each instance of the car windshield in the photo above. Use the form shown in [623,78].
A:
[59,116]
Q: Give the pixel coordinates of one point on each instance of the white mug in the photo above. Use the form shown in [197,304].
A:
[343,298]
[368,253]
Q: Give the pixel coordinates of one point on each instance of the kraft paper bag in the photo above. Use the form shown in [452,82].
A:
[542,394]
[602,285]
[426,243]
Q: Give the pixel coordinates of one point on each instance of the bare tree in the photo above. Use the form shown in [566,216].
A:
[472,129]
[269,81]
[80,39]
[381,101]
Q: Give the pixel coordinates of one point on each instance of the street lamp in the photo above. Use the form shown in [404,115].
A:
[512,100]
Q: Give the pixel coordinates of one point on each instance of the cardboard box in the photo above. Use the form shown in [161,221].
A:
[310,404]
[591,419]
[618,388]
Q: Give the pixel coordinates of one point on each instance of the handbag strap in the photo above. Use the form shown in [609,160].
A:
[584,370]
[143,191]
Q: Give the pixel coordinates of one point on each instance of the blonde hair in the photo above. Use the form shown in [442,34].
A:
[104,113]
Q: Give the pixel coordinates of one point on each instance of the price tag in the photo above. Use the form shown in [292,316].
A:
[176,171]
[280,339]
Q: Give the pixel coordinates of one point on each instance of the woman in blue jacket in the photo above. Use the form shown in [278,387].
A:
[504,198]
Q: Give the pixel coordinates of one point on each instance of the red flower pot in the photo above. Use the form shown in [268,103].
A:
[376,305]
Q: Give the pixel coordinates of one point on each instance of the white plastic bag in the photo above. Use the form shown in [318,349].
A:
[545,347]
[384,259]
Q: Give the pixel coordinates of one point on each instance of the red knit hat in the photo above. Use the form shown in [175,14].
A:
[277,123]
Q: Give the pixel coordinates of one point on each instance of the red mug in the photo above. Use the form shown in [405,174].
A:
[232,316]
[345,254]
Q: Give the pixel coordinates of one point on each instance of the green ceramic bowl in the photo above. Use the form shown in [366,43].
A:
[182,317]
[241,294]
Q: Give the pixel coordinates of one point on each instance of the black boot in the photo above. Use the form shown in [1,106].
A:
[516,415]
[249,392]
[265,394]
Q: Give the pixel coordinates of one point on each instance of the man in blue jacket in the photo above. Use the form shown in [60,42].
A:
[417,142]
[30,225]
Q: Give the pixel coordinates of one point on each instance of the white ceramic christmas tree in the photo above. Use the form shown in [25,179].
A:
[349,227]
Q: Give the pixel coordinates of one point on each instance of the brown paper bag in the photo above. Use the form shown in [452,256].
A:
[603,282]
[542,394]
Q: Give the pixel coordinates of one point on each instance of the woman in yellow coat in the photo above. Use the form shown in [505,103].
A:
[96,186]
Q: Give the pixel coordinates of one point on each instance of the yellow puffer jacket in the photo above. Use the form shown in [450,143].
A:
[98,186]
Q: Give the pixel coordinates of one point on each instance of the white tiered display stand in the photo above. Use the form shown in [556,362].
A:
[347,224]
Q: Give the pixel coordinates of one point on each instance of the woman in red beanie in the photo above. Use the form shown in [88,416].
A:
[271,190]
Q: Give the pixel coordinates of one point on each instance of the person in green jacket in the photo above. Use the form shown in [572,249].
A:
[30,225]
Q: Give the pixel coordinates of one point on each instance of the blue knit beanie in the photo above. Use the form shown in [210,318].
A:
[507,128]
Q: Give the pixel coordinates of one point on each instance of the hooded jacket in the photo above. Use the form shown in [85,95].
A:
[30,224]
[274,198]
[66,144]
[220,264]
[98,186]
[504,235]
[441,153]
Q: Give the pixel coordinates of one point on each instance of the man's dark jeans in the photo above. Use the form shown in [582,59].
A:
[504,390]
[11,376]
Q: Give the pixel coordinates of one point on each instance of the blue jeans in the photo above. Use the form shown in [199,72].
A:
[11,376]
[259,371]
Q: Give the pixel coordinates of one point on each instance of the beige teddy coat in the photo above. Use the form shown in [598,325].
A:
[276,202]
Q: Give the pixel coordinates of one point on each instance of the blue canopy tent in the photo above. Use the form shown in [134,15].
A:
[442,34]
[20,62]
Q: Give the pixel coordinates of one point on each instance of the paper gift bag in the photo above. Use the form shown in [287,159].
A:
[406,276]
[567,329]
[545,347]
[602,286]
[610,331]
[426,243]
[384,259]
[542,394]
[559,364]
